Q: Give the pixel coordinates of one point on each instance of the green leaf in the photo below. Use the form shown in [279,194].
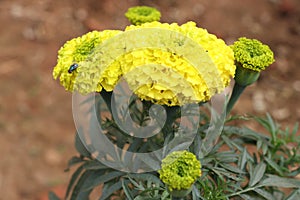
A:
[243,159]
[146,177]
[221,171]
[79,192]
[127,191]
[74,178]
[52,196]
[295,195]
[274,166]
[294,172]
[97,180]
[276,181]
[232,168]
[195,193]
[107,192]
[73,161]
[80,147]
[264,194]
[257,174]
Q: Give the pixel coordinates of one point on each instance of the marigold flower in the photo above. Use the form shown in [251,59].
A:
[179,170]
[252,54]
[76,51]
[142,14]
[218,51]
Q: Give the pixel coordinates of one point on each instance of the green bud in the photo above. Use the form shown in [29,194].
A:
[141,14]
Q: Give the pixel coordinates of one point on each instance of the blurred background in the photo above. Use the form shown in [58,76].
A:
[36,125]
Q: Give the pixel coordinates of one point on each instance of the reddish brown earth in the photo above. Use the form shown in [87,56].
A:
[36,125]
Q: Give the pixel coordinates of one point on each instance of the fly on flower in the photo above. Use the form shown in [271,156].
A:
[73,67]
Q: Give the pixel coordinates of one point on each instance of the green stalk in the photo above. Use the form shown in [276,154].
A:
[177,198]
[236,93]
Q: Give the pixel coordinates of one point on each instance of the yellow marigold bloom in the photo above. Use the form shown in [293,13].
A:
[219,52]
[76,51]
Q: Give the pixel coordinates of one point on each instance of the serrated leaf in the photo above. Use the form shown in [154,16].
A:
[258,173]
[53,196]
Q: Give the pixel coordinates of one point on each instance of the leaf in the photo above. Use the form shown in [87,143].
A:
[232,168]
[274,165]
[73,179]
[146,177]
[107,192]
[294,172]
[248,197]
[257,174]
[243,159]
[295,195]
[103,178]
[80,147]
[52,196]
[195,193]
[127,191]
[221,171]
[79,192]
[73,161]
[276,181]
[264,194]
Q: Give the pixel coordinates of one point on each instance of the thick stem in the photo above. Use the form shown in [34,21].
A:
[236,93]
[177,198]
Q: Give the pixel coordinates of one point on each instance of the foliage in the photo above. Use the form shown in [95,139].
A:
[243,164]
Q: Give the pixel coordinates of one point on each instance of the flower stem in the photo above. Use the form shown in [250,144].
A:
[236,93]
[177,198]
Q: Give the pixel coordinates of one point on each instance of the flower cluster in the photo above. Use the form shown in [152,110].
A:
[179,170]
[154,74]
[142,14]
[252,54]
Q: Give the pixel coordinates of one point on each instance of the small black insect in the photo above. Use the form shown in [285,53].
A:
[72,67]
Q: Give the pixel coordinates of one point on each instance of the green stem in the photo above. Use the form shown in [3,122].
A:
[177,198]
[242,191]
[236,93]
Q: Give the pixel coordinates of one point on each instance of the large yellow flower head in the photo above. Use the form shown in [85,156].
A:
[164,63]
[76,51]
[179,68]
